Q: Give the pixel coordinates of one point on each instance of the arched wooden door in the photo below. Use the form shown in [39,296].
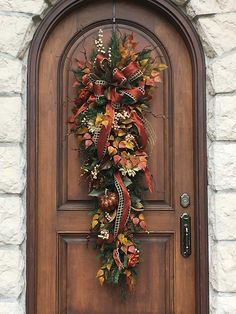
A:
[61,266]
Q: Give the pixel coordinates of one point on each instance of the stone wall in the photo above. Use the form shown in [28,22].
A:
[215,21]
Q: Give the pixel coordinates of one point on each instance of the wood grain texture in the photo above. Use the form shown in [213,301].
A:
[155,296]
[58,223]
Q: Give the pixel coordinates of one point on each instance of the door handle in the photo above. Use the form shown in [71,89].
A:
[185,235]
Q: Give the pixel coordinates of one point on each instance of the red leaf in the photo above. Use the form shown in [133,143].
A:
[131,249]
[143,225]
[116,159]
[71,119]
[87,136]
[135,221]
[88,143]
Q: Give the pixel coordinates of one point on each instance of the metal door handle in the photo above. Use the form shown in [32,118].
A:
[185,235]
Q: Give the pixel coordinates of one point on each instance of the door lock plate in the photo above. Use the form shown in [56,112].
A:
[185,235]
[184,200]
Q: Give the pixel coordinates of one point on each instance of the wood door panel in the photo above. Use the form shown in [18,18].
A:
[76,189]
[79,293]
[58,201]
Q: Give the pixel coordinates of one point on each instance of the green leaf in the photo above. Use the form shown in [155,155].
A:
[114,45]
[96,192]
[127,181]
[125,261]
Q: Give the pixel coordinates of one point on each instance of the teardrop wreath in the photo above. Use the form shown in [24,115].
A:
[112,99]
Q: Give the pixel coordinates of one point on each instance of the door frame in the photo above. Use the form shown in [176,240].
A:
[191,38]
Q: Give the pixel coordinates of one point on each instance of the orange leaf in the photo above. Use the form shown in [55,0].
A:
[141,217]
[112,150]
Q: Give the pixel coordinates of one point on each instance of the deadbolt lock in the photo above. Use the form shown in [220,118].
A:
[184,200]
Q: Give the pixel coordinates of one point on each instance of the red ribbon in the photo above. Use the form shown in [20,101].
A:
[135,93]
[115,96]
[105,131]
[131,69]
[118,76]
[127,201]
[148,178]
[141,130]
[100,60]
[99,89]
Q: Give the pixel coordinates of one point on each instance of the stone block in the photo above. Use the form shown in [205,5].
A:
[203,7]
[10,307]
[10,75]
[13,31]
[211,30]
[223,215]
[222,166]
[222,118]
[12,162]
[12,228]
[221,74]
[11,269]
[26,6]
[224,304]
[223,267]
[11,119]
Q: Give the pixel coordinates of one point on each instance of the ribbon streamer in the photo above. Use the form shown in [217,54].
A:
[141,130]
[124,204]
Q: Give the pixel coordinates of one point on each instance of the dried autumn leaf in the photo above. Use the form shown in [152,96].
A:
[128,273]
[81,131]
[109,266]
[162,66]
[141,217]
[123,239]
[116,159]
[143,225]
[126,144]
[105,123]
[99,118]
[112,150]
[131,249]
[88,143]
[135,221]
[101,280]
[86,70]
[94,223]
[100,273]
[121,133]
[143,62]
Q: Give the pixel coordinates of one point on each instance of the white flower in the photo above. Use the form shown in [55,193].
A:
[95,172]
